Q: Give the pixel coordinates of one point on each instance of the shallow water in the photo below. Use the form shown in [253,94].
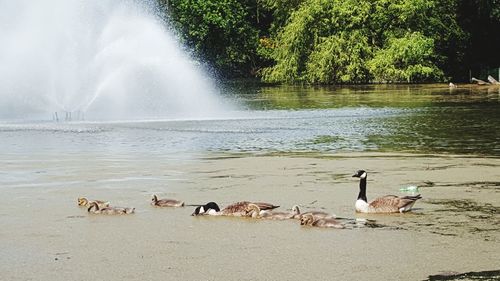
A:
[454,229]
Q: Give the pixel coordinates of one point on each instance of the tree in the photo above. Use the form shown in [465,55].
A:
[218,31]
[408,58]
[313,45]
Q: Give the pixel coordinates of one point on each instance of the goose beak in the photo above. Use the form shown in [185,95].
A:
[355,176]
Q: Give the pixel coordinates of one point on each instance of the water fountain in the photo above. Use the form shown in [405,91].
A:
[96,59]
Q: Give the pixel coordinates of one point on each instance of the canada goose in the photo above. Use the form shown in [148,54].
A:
[239,209]
[166,202]
[211,208]
[309,219]
[317,214]
[84,202]
[94,209]
[386,204]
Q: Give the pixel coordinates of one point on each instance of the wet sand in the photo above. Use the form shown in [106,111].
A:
[45,235]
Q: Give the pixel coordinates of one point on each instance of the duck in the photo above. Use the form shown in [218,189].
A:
[310,220]
[84,202]
[166,202]
[317,214]
[238,209]
[94,209]
[385,204]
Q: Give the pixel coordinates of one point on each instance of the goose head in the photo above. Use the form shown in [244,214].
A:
[206,209]
[154,199]
[82,201]
[295,210]
[360,174]
[307,219]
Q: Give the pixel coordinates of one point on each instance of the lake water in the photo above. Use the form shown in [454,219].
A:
[47,165]
[397,118]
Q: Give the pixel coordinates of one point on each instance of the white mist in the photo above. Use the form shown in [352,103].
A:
[97,59]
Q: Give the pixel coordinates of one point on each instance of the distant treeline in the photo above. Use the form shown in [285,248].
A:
[341,41]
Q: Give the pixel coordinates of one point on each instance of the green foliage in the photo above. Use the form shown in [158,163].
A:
[311,26]
[219,31]
[313,46]
[330,61]
[340,41]
[408,58]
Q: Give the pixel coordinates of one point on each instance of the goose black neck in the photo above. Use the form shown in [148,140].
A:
[362,190]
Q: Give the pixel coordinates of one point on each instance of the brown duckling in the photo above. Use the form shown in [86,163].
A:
[166,202]
[84,202]
[310,220]
[94,209]
[316,214]
[274,215]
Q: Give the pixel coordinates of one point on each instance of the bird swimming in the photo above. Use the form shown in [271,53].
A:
[166,202]
[275,215]
[84,202]
[94,209]
[385,204]
[238,209]
[317,214]
[310,220]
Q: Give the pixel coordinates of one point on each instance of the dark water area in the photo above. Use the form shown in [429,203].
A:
[387,118]
[432,117]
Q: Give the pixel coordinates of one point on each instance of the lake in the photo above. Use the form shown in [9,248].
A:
[396,118]
[284,145]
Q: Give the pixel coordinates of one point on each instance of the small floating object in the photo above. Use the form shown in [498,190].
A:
[411,188]
[493,80]
[479,82]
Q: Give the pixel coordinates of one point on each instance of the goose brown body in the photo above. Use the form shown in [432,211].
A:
[241,209]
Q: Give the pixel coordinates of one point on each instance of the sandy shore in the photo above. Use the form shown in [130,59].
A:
[45,236]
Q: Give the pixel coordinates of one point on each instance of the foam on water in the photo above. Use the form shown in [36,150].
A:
[97,59]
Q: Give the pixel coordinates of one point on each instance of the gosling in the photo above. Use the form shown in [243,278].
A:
[308,219]
[84,202]
[166,202]
[94,209]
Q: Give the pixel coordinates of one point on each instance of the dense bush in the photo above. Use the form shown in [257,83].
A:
[409,58]
[341,41]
